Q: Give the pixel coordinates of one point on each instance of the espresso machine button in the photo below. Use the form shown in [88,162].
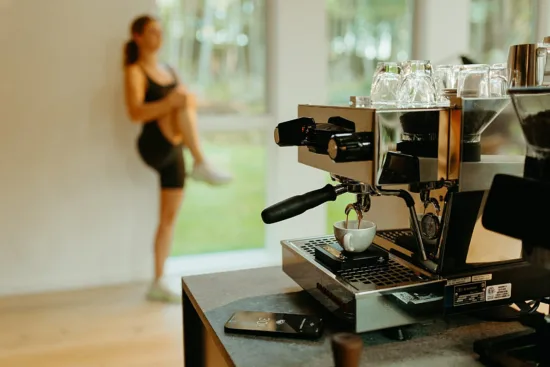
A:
[293,132]
[351,147]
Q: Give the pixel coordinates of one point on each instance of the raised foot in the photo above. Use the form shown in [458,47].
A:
[205,172]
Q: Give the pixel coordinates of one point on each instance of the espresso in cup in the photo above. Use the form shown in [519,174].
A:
[357,236]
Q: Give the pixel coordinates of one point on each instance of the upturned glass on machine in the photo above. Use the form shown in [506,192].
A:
[386,83]
[417,89]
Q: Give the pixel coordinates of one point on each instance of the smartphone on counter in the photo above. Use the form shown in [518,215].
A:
[275,324]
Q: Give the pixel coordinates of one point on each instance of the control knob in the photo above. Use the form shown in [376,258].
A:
[293,132]
[351,147]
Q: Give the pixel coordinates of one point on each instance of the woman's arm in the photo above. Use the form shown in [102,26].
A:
[140,111]
[190,98]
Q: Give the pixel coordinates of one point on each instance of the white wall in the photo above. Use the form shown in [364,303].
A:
[298,74]
[77,207]
[442,30]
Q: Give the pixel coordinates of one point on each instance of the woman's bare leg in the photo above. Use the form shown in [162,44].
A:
[170,202]
[184,121]
[168,129]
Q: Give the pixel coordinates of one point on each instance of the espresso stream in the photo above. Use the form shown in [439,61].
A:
[359,218]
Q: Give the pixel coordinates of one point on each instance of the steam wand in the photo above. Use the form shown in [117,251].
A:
[414,219]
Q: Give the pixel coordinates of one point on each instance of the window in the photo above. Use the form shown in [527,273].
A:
[227,218]
[218,46]
[496,25]
[361,33]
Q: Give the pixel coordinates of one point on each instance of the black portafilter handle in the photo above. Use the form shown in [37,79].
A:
[298,204]
[294,132]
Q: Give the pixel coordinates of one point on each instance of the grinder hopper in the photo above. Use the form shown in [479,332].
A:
[477,115]
[532,106]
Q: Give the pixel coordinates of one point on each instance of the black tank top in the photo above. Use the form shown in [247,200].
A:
[155,92]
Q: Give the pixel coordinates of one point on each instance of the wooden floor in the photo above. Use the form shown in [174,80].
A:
[102,327]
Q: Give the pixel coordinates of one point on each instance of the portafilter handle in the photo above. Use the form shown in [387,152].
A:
[346,349]
[298,204]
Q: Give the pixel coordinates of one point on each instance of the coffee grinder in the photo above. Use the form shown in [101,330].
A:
[419,174]
[529,195]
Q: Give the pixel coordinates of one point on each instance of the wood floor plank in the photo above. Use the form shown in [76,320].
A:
[104,327]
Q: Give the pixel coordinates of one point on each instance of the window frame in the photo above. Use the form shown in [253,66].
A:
[289,84]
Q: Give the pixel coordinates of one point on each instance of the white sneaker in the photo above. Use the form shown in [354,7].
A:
[160,292]
[206,173]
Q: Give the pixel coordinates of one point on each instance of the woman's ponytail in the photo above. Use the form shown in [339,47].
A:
[131,49]
[131,53]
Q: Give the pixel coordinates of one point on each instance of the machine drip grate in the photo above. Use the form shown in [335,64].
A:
[382,275]
[390,273]
[394,234]
[309,246]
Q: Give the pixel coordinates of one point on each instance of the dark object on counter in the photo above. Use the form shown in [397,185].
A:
[275,324]
[337,259]
[346,349]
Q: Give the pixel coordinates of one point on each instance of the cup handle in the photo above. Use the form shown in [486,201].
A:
[347,242]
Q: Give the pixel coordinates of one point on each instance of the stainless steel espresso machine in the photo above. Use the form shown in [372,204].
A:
[421,172]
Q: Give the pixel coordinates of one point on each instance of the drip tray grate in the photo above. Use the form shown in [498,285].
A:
[388,274]
[382,275]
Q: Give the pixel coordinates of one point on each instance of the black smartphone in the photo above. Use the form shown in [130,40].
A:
[275,324]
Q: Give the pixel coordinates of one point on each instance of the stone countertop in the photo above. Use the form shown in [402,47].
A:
[218,296]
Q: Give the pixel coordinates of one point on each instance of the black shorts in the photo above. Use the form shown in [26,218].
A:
[164,157]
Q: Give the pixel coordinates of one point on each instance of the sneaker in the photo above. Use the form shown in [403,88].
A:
[160,292]
[206,173]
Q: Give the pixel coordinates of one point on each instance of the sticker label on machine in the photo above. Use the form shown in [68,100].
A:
[465,294]
[499,291]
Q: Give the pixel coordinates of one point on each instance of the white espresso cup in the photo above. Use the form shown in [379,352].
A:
[354,239]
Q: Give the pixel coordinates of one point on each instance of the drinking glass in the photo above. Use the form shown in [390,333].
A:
[444,79]
[408,65]
[418,87]
[379,69]
[384,89]
[473,81]
[498,81]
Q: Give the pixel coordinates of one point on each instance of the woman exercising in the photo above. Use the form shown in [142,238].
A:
[156,99]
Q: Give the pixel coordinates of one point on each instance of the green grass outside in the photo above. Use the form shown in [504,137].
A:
[227,218]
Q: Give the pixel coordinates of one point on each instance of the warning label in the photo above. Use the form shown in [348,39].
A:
[499,291]
[466,294]
[477,278]
[459,280]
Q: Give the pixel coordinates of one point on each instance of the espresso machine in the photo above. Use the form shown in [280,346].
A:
[526,348]
[420,172]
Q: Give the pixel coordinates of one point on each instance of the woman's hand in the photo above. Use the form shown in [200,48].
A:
[178,97]
[181,98]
